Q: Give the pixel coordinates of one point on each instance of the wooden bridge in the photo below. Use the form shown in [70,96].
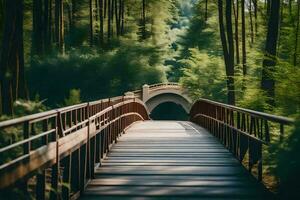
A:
[110,149]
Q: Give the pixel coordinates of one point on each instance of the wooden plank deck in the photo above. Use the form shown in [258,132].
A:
[171,160]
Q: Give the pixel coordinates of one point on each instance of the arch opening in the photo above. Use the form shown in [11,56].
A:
[169,111]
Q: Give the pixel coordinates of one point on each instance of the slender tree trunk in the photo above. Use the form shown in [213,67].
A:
[268,82]
[112,16]
[109,20]
[123,17]
[251,22]
[236,17]
[101,17]
[117,14]
[1,19]
[12,73]
[46,23]
[62,27]
[269,2]
[255,16]
[38,28]
[105,8]
[50,26]
[206,10]
[74,14]
[59,25]
[96,10]
[91,22]
[143,21]
[290,8]
[228,49]
[244,53]
[297,34]
[69,10]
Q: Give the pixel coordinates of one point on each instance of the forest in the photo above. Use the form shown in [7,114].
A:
[56,53]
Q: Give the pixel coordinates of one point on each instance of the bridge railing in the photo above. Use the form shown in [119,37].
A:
[59,149]
[160,86]
[244,132]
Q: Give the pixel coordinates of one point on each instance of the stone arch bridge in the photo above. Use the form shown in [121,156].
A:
[154,95]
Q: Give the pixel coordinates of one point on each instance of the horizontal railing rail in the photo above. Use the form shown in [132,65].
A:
[63,144]
[242,131]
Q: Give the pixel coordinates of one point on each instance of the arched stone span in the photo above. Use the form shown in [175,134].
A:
[158,99]
[154,95]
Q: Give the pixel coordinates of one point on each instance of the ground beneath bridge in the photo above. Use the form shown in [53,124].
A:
[171,160]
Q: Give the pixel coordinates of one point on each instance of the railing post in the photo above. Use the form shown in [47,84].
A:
[26,133]
[55,167]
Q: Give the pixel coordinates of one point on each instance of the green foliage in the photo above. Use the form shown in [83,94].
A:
[288,165]
[74,98]
[287,89]
[14,134]
[96,74]
[203,76]
[23,107]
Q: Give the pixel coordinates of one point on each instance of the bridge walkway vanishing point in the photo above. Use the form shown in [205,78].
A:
[171,160]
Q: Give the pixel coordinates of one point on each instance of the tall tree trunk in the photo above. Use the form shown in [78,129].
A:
[117,15]
[1,19]
[108,20]
[228,48]
[59,25]
[251,22]
[255,15]
[112,16]
[105,8]
[206,10]
[69,10]
[290,8]
[143,20]
[244,52]
[101,18]
[123,17]
[91,22]
[96,10]
[269,2]
[268,82]
[47,24]
[236,17]
[74,14]
[37,28]
[297,34]
[12,73]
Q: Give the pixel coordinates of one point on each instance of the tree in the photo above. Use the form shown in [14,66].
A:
[228,47]
[108,20]
[59,25]
[236,17]
[297,34]
[101,18]
[244,51]
[206,10]
[269,62]
[38,29]
[12,73]
[91,22]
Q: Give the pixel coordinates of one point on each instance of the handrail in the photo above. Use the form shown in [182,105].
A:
[242,131]
[51,138]
[270,117]
[159,85]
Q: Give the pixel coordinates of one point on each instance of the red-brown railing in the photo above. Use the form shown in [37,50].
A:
[242,131]
[59,149]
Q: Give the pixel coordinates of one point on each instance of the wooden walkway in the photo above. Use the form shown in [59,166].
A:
[171,160]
